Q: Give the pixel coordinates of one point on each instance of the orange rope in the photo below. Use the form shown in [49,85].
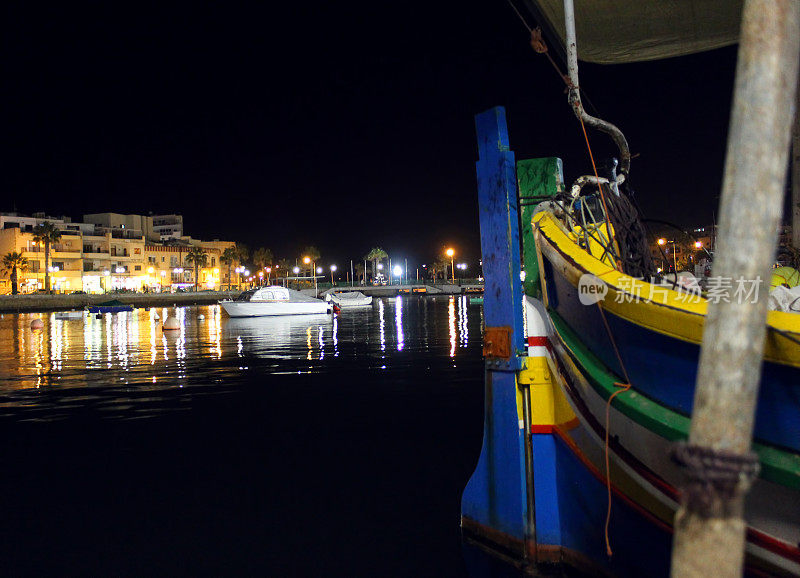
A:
[625,387]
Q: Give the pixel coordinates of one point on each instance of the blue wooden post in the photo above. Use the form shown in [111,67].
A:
[494,502]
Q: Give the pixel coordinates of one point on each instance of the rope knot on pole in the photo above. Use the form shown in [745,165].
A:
[716,479]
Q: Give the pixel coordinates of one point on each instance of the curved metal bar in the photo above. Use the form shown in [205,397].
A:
[575,94]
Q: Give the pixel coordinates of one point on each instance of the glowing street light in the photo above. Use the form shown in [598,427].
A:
[451,253]
[698,245]
[662,242]
[296,270]
[398,270]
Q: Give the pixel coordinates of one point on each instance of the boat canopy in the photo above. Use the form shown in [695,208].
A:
[619,31]
[271,293]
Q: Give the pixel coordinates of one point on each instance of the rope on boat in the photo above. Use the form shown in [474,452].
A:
[540,47]
[623,388]
[715,477]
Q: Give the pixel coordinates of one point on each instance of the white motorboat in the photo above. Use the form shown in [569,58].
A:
[350,299]
[74,314]
[274,300]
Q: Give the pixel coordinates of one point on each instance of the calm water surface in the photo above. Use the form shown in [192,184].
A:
[124,364]
[302,446]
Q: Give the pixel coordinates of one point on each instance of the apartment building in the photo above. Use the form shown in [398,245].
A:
[108,252]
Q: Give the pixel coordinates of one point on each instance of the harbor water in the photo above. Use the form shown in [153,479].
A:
[305,445]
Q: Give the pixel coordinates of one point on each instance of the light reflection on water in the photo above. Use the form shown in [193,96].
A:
[128,357]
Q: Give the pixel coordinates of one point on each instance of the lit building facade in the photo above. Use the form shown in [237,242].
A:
[108,252]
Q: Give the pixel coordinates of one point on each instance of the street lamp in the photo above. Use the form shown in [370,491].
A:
[333,270]
[451,253]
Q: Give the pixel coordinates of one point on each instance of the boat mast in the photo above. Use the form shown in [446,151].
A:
[575,94]
[709,529]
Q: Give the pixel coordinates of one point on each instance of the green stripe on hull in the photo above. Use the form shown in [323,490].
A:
[777,465]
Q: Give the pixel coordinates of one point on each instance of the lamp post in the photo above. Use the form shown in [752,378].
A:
[269,270]
[451,253]
[333,270]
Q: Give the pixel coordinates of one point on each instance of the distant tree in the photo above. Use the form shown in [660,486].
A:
[12,263]
[242,253]
[439,267]
[228,257]
[262,258]
[376,255]
[198,258]
[359,272]
[283,268]
[46,233]
[313,254]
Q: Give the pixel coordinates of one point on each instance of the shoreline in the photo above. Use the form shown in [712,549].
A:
[44,303]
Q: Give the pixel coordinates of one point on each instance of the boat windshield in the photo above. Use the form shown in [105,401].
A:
[246,295]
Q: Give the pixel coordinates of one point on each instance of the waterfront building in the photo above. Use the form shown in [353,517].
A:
[108,251]
[167,268]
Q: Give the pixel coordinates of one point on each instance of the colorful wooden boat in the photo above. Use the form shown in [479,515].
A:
[541,490]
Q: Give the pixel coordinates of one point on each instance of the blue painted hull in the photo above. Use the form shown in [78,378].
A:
[110,309]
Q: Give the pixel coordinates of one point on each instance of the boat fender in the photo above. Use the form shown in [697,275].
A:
[336,308]
[201,317]
[37,324]
[171,323]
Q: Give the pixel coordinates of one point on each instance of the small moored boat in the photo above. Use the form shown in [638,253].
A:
[273,300]
[348,299]
[113,306]
[73,314]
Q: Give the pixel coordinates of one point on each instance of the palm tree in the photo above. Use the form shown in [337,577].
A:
[228,257]
[440,266]
[197,256]
[46,233]
[242,253]
[262,257]
[376,255]
[12,262]
[359,273]
[286,266]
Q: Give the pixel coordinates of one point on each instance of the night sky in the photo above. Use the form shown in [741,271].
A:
[340,125]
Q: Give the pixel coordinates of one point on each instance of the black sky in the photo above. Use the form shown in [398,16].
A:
[339,125]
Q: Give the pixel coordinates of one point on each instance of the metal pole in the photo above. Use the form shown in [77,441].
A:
[709,529]
[530,534]
[796,173]
[352,275]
